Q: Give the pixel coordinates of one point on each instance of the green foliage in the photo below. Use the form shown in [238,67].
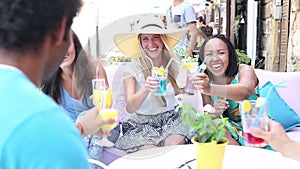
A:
[119,59]
[190,59]
[207,128]
[180,50]
[242,56]
[236,25]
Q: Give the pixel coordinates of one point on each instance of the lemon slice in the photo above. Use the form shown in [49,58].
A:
[187,66]
[260,101]
[159,71]
[246,106]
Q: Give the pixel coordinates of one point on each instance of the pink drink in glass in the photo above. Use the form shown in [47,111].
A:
[254,115]
[250,140]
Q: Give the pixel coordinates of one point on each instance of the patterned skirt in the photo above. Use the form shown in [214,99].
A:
[140,130]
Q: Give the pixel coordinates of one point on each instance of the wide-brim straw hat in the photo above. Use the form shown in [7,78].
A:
[129,44]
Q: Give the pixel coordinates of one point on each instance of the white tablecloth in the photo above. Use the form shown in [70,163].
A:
[236,157]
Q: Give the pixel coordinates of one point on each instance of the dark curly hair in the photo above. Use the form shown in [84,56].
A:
[24,24]
[232,68]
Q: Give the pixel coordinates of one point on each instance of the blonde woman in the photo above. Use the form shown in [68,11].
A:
[153,120]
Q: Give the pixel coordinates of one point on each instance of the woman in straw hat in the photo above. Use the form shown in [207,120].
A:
[153,120]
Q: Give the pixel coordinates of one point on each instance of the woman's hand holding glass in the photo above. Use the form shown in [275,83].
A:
[151,84]
[202,83]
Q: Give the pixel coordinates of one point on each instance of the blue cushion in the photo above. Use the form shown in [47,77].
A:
[279,110]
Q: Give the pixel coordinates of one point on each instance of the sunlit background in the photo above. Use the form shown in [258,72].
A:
[99,14]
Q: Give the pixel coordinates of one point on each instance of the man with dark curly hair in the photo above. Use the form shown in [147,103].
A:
[34,132]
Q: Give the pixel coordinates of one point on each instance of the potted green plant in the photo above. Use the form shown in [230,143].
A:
[209,138]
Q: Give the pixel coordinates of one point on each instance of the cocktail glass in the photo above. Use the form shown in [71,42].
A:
[106,114]
[99,89]
[161,76]
[191,68]
[254,114]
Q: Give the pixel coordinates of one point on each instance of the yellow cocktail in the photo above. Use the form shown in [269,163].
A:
[107,114]
[102,98]
[99,88]
[97,95]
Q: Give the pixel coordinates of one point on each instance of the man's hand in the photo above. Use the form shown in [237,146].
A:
[91,123]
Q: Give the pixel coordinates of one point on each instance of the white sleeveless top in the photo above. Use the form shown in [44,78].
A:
[151,105]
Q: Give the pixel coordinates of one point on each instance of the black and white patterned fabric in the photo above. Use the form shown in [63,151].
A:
[142,130]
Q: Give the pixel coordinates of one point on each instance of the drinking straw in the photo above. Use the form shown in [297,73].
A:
[278,85]
[201,69]
[154,74]
[169,63]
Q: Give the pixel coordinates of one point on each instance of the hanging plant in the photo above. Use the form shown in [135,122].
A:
[242,56]
[236,25]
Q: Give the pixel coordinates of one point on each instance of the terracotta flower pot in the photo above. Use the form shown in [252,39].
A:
[210,155]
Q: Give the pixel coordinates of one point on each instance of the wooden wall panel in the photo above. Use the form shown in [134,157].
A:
[297,5]
[267,10]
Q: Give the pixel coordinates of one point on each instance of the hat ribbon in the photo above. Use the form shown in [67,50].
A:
[155,25]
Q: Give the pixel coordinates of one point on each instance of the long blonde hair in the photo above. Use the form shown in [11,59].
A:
[173,70]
